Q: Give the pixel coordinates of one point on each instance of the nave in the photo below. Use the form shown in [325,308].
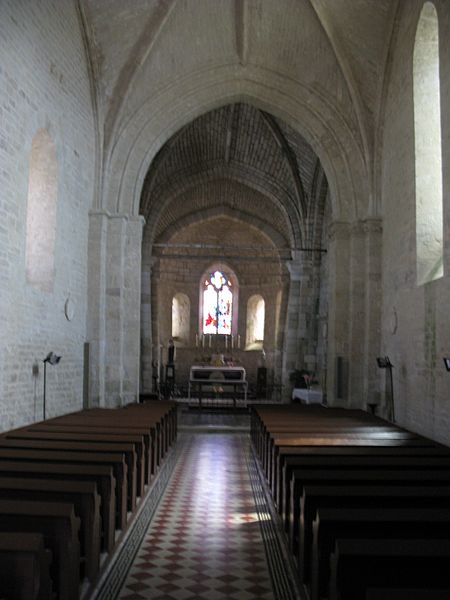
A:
[212,536]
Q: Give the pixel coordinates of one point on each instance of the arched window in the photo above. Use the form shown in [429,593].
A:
[217,304]
[428,148]
[181,308]
[255,322]
[41,212]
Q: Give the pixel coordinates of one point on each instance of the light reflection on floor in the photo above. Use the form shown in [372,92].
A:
[204,541]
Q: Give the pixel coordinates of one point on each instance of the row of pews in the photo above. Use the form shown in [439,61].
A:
[365,505]
[68,489]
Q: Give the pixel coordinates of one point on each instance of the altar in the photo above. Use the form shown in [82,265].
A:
[217,380]
[307,396]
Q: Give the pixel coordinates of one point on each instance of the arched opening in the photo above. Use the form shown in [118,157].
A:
[428,148]
[181,308]
[256,309]
[41,212]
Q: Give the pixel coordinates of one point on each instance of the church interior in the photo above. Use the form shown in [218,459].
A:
[224,268]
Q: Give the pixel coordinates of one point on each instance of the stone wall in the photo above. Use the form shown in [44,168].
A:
[44,85]
[415,323]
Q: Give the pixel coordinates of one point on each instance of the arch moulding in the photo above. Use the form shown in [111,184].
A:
[304,109]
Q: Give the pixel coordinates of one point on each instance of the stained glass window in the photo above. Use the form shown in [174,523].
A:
[217,304]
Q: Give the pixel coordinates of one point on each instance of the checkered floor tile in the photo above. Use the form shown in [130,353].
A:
[204,541]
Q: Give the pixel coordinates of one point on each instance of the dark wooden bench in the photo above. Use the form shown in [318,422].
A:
[316,497]
[358,462]
[361,477]
[101,434]
[115,460]
[333,524]
[72,423]
[24,567]
[82,494]
[59,526]
[277,437]
[357,565]
[116,442]
[101,475]
[126,451]
[345,440]
[348,455]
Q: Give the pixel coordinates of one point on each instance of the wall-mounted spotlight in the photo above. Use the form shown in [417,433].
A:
[447,363]
[51,359]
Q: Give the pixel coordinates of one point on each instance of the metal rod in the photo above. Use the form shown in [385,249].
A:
[200,246]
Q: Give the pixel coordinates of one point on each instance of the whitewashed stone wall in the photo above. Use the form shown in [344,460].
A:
[415,324]
[43,84]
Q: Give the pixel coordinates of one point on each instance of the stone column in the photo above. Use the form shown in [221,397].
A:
[356,320]
[293,324]
[373,299]
[115,288]
[98,232]
[131,315]
[146,324]
[338,313]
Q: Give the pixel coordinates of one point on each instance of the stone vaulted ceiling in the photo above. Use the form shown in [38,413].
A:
[335,49]
[240,161]
[123,35]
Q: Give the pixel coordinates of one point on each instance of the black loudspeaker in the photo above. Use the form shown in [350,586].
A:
[261,382]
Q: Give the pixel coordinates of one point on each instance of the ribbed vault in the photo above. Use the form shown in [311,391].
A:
[241,159]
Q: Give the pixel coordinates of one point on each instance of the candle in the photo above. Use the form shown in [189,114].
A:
[196,340]
[210,336]
[203,340]
[232,342]
[239,341]
[226,342]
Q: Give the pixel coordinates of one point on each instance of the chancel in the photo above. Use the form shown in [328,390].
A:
[230,219]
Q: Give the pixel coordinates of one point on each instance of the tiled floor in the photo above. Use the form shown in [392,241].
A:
[204,541]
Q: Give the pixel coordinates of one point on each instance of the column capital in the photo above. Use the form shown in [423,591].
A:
[339,230]
[295,268]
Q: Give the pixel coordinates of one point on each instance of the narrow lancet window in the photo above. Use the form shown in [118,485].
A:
[428,148]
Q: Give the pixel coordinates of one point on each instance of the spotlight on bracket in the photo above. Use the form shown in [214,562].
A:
[52,359]
[447,363]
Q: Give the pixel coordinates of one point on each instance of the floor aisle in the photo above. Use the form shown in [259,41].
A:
[204,541]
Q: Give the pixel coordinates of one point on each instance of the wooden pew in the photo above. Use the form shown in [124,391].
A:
[82,494]
[126,451]
[354,477]
[101,475]
[107,427]
[115,460]
[290,458]
[101,434]
[24,567]
[347,440]
[356,565]
[59,526]
[361,460]
[98,439]
[386,523]
[390,495]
